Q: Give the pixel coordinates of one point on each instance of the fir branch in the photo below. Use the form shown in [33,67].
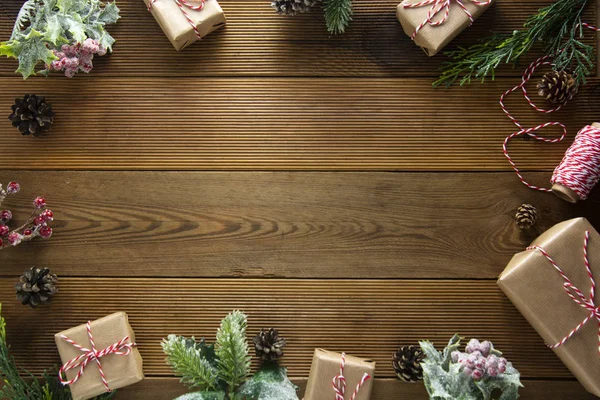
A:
[231,349]
[338,14]
[188,362]
[557,27]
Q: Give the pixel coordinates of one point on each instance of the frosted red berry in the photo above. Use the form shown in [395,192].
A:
[5,215]
[14,238]
[4,230]
[13,187]
[45,231]
[39,202]
[39,220]
[27,232]
[48,215]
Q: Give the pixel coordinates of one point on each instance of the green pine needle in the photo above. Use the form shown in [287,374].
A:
[188,362]
[338,14]
[231,349]
[556,27]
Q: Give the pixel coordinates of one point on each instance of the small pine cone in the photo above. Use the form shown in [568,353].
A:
[293,7]
[526,216]
[268,344]
[558,87]
[36,286]
[407,363]
[32,115]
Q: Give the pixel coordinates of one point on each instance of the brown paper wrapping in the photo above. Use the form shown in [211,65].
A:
[535,287]
[326,365]
[119,370]
[176,26]
[432,39]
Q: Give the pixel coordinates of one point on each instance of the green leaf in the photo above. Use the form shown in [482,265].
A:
[54,30]
[189,362]
[202,396]
[270,383]
[30,52]
[110,14]
[76,28]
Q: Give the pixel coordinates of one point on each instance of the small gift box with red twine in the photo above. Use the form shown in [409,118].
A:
[553,284]
[99,357]
[338,376]
[186,21]
[432,24]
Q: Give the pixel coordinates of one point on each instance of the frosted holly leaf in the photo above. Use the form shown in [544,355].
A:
[75,27]
[54,31]
[29,51]
[109,15]
[270,383]
[202,396]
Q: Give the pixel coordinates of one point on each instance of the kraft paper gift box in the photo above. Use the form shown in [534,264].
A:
[326,365]
[537,289]
[174,23]
[119,370]
[434,38]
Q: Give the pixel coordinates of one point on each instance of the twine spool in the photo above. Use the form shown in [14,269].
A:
[579,171]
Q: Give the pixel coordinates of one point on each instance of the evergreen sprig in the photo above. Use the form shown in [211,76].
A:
[187,361]
[338,14]
[557,27]
[231,349]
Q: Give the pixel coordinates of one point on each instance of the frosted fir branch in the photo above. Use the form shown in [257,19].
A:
[35,226]
[231,349]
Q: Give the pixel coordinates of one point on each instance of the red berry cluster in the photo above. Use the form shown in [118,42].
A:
[479,360]
[77,57]
[36,224]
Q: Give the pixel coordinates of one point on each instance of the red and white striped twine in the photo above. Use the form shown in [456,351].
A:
[437,6]
[575,294]
[183,4]
[580,168]
[122,348]
[339,382]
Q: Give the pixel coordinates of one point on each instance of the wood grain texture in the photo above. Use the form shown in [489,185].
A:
[274,124]
[314,225]
[367,318]
[257,41]
[384,389]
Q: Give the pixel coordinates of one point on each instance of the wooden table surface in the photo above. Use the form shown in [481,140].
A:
[318,183]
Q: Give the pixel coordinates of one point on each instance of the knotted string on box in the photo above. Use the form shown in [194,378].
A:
[339,382]
[439,6]
[123,348]
[588,303]
[580,168]
[183,4]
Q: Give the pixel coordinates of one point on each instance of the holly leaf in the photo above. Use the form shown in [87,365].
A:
[109,15]
[54,30]
[30,52]
[270,383]
[75,27]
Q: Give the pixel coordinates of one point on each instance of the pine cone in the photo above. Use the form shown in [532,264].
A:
[36,286]
[526,216]
[293,7]
[557,87]
[407,363]
[32,115]
[268,344]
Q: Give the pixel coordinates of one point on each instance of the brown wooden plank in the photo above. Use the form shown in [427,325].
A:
[368,318]
[259,42]
[306,124]
[384,389]
[281,224]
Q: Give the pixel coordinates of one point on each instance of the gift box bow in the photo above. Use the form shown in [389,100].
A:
[439,6]
[183,4]
[587,302]
[339,382]
[122,348]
